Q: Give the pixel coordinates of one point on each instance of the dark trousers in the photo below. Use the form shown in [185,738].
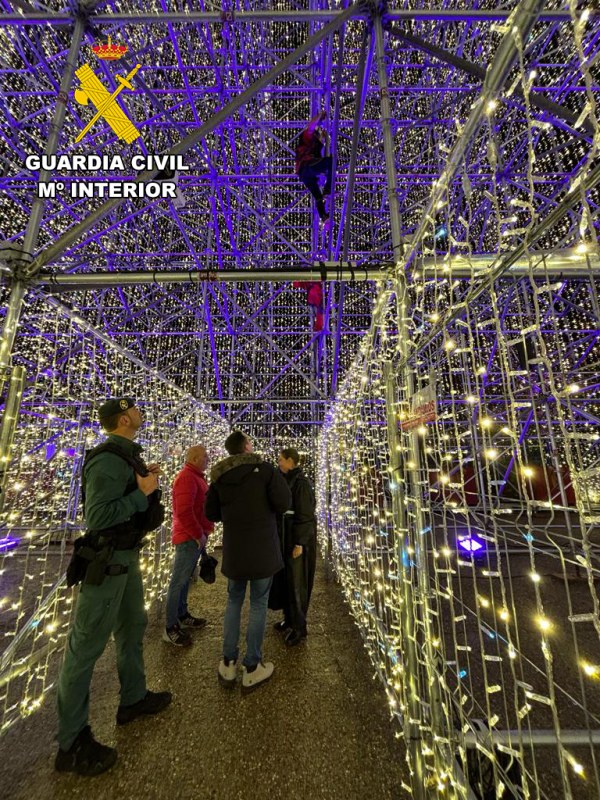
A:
[299,579]
[115,607]
[309,175]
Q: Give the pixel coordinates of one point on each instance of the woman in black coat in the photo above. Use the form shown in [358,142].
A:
[299,545]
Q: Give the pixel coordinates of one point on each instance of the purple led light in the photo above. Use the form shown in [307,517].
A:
[7,543]
[470,543]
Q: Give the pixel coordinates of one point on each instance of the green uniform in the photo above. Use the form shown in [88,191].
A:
[116,606]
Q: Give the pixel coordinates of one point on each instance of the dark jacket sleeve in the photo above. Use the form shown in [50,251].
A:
[278,492]
[212,504]
[303,522]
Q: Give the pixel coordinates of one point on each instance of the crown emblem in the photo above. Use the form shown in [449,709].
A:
[109,51]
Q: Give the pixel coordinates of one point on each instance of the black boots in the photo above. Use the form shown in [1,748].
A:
[86,756]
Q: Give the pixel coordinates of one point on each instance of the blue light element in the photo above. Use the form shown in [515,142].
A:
[528,537]
[8,542]
[427,529]
[470,543]
[50,451]
[463,673]
[440,233]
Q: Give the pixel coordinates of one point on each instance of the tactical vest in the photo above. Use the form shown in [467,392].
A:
[129,533]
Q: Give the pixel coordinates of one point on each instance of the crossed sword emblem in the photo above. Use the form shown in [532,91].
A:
[108,108]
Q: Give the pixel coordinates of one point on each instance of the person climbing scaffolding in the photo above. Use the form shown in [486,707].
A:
[311,164]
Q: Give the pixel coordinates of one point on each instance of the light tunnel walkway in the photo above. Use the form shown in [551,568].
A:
[319,729]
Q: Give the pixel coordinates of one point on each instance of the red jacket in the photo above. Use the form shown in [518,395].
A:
[188,494]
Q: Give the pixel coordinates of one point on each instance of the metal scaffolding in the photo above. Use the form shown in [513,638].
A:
[465,143]
[233,91]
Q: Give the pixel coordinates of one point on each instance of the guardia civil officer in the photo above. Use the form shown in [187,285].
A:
[121,505]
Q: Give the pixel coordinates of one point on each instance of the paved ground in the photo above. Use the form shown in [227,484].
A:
[319,730]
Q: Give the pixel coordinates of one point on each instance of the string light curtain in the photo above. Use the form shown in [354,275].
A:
[71,369]
[460,489]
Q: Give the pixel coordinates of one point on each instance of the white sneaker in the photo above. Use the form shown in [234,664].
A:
[252,680]
[227,673]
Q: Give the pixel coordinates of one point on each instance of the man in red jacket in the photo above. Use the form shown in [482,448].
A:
[190,532]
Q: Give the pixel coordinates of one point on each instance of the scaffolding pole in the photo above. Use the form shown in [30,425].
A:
[232,17]
[568,266]
[16,375]
[15,301]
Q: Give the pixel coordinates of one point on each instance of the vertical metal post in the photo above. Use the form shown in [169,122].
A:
[411,611]
[9,425]
[364,65]
[15,303]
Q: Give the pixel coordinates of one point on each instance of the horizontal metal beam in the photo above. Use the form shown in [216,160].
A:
[557,264]
[532,737]
[563,263]
[192,17]
[91,280]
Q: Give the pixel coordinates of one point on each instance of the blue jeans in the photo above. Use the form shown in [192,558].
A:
[257,620]
[186,557]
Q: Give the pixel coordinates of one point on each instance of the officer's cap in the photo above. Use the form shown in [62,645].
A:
[115,406]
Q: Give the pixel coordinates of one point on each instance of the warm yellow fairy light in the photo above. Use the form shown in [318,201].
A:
[504,615]
[591,670]
[544,624]
[486,422]
[535,577]
[577,767]
[491,453]
[449,344]
[471,399]
[528,472]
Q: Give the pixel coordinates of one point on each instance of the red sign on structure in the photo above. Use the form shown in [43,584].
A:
[423,409]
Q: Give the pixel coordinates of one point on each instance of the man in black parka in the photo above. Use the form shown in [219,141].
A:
[246,494]
[299,543]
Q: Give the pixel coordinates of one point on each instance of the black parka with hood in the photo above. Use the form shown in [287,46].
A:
[247,494]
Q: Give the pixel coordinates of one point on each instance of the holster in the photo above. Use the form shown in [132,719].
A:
[96,571]
[90,562]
